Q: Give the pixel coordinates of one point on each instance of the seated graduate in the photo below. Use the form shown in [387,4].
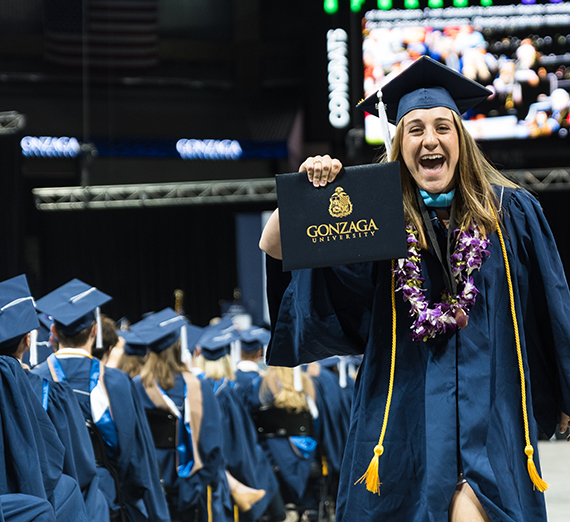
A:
[134,353]
[248,372]
[33,453]
[193,471]
[25,508]
[292,390]
[59,402]
[244,457]
[109,340]
[107,398]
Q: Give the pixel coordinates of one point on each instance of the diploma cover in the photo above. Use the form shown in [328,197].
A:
[358,217]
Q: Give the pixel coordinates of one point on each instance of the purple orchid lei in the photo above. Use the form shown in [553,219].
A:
[471,247]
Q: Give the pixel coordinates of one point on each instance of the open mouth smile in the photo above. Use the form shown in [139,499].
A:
[432,162]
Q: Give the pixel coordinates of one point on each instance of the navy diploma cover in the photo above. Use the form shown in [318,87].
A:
[358,217]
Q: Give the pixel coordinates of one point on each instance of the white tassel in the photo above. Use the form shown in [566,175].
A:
[33,348]
[297,381]
[184,352]
[235,353]
[385,126]
[99,342]
[342,372]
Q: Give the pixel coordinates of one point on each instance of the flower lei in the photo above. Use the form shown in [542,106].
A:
[453,311]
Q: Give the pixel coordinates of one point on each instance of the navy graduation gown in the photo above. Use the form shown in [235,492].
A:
[453,395]
[243,455]
[294,467]
[79,461]
[247,388]
[192,490]
[36,454]
[17,507]
[136,458]
[333,404]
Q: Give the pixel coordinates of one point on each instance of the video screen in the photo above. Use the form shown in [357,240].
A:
[519,52]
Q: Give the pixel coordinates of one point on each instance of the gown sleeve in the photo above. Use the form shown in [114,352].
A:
[324,312]
[545,304]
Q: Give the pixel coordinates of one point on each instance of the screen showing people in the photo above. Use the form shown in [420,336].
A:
[520,52]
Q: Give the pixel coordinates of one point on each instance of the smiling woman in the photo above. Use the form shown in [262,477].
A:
[445,385]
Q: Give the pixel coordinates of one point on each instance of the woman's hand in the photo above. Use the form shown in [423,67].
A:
[564,424]
[321,169]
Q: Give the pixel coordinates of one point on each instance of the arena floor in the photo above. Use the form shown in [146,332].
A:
[555,462]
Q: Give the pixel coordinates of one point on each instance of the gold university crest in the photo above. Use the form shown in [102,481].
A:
[340,204]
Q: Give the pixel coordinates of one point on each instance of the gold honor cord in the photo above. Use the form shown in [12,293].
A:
[236,513]
[371,476]
[529,450]
[209,490]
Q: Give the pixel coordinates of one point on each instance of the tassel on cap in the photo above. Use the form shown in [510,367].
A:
[235,353]
[33,348]
[297,381]
[184,352]
[99,342]
[384,123]
[342,372]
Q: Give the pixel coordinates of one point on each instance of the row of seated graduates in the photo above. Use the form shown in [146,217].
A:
[202,487]
[242,397]
[141,498]
[125,477]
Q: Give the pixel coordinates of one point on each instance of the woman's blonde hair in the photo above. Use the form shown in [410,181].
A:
[474,176]
[131,364]
[278,387]
[162,367]
[218,369]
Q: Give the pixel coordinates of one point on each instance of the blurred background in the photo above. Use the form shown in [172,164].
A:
[139,139]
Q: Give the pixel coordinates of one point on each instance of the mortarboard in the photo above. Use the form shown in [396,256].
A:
[424,85]
[17,310]
[160,330]
[133,345]
[254,338]
[216,339]
[72,306]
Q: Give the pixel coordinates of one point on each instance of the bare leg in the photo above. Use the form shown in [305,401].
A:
[243,496]
[465,506]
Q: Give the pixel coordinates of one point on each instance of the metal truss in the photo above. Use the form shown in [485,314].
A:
[238,191]
[541,179]
[155,195]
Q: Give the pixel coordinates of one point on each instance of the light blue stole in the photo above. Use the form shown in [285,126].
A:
[99,400]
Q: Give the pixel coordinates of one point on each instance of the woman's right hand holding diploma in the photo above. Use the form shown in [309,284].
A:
[321,169]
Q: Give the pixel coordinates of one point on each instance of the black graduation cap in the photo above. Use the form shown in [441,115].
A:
[17,310]
[216,339]
[133,345]
[254,338]
[72,306]
[424,85]
[160,330]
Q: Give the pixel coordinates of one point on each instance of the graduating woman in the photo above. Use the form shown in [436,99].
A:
[465,341]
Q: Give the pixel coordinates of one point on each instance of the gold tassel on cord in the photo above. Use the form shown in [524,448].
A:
[532,471]
[529,450]
[371,477]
